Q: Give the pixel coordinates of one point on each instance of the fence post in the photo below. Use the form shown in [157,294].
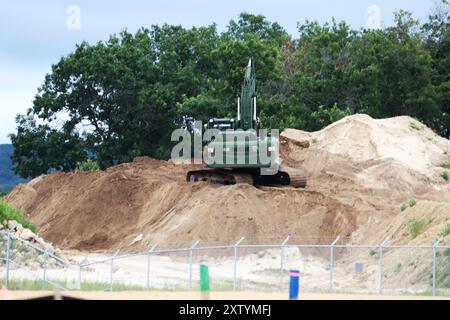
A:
[80,265]
[44,272]
[149,262]
[380,276]
[8,248]
[283,244]
[434,264]
[190,263]
[332,246]
[111,271]
[235,262]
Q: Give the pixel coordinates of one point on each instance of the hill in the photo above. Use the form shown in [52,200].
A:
[8,179]
[360,172]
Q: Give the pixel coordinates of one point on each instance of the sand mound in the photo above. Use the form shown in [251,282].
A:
[360,170]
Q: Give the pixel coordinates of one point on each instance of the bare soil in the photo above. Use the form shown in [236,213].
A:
[360,171]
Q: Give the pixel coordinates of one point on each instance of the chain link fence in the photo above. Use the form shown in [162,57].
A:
[241,265]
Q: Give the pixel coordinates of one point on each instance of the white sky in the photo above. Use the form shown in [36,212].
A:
[34,34]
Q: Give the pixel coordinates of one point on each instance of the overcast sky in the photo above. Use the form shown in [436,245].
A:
[35,34]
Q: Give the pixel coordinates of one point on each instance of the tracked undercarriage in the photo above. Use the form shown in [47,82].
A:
[284,177]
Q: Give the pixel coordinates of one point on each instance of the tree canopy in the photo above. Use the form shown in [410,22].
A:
[121,98]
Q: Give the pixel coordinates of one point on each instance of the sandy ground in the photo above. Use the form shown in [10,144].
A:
[360,172]
[213,296]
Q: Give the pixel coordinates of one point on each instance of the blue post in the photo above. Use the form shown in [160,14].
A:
[294,284]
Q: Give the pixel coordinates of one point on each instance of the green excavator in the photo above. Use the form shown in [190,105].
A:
[237,151]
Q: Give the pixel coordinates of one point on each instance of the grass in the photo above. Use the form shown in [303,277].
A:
[416,227]
[445,176]
[446,231]
[415,126]
[9,213]
[445,165]
[37,284]
[87,166]
[447,252]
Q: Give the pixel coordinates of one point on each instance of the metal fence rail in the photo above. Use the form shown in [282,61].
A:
[333,254]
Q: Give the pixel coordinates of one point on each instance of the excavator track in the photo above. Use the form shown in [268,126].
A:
[286,176]
[297,178]
[219,177]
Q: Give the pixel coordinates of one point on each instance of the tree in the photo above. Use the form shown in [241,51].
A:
[114,100]
[437,41]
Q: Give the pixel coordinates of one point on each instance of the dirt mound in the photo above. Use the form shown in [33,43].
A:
[360,171]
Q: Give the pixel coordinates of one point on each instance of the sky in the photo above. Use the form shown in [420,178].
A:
[36,34]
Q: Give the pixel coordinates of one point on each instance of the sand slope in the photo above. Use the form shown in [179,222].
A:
[360,170]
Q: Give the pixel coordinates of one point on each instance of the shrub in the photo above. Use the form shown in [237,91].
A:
[446,231]
[412,203]
[447,252]
[445,165]
[416,227]
[88,165]
[403,207]
[445,176]
[415,126]
[372,252]
[9,213]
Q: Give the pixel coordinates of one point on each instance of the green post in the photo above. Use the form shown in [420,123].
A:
[204,279]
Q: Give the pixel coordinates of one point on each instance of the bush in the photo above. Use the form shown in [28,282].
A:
[415,126]
[412,203]
[446,231]
[445,165]
[88,165]
[403,207]
[9,213]
[445,176]
[325,116]
[416,227]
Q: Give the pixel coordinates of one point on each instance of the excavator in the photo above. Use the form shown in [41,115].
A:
[237,152]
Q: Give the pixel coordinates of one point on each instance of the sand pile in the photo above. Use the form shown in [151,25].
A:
[360,171]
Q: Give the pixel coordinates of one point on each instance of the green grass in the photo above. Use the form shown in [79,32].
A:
[415,126]
[29,284]
[445,165]
[88,165]
[9,213]
[446,231]
[445,176]
[416,227]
